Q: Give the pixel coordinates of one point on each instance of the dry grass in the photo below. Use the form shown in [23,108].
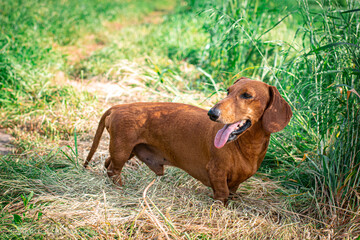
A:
[176,206]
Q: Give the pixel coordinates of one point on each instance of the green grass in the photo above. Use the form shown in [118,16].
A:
[316,68]
[185,51]
[320,80]
[328,111]
[32,42]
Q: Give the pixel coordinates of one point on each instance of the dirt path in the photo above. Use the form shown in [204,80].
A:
[5,143]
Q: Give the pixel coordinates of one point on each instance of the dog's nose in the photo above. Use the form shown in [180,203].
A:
[214,114]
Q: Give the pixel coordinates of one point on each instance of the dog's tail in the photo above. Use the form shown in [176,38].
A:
[97,137]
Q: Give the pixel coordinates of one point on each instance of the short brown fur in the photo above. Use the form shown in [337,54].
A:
[181,135]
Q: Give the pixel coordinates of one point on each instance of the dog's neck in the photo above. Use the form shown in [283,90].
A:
[253,144]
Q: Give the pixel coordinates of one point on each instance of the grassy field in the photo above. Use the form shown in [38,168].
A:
[63,63]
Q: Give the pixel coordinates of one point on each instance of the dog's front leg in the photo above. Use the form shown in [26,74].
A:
[218,180]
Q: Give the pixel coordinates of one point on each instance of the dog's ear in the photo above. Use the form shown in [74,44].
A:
[242,78]
[278,113]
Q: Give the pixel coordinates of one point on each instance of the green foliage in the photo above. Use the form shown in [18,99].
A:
[318,74]
[18,220]
[326,104]
[32,36]
[73,154]
[238,42]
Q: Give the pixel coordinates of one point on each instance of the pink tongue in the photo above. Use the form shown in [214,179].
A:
[223,135]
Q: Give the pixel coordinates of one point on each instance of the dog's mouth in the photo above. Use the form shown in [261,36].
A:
[230,132]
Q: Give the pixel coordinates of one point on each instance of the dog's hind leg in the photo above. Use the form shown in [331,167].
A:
[108,161]
[119,154]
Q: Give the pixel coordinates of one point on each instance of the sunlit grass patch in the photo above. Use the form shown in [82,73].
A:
[68,201]
[41,39]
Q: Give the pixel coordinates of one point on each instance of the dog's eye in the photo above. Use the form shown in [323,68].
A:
[246,96]
[227,90]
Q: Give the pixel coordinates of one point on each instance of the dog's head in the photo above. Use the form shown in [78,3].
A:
[247,103]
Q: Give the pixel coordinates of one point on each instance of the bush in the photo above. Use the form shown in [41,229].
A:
[318,71]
